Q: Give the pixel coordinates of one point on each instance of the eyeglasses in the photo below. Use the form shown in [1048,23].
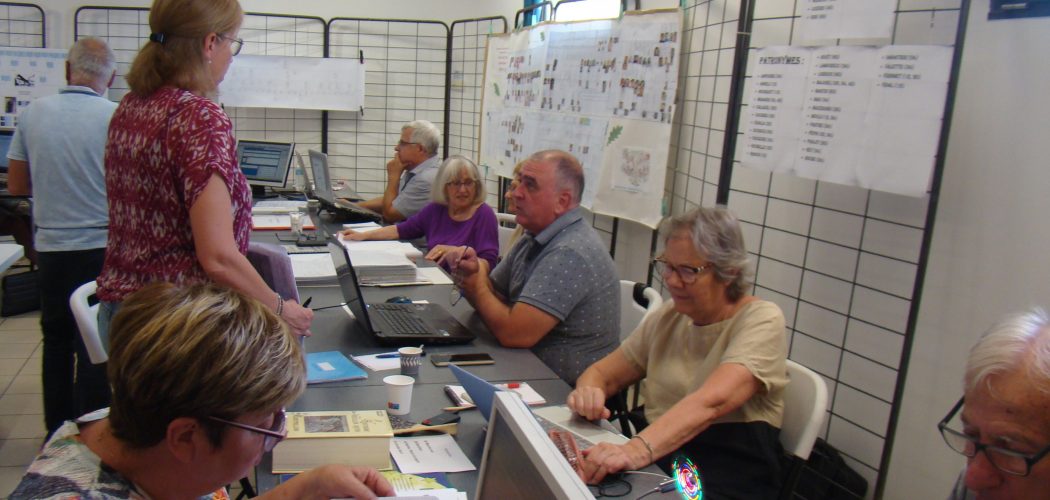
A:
[461,184]
[235,43]
[687,274]
[275,434]
[1008,461]
[402,144]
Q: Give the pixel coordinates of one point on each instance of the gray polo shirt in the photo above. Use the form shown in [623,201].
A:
[414,193]
[63,137]
[566,271]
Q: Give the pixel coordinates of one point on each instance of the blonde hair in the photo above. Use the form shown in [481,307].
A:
[197,351]
[449,171]
[178,58]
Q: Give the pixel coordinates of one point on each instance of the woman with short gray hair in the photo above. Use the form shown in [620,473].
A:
[713,360]
[458,215]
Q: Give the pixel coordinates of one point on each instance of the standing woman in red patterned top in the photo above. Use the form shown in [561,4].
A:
[179,207]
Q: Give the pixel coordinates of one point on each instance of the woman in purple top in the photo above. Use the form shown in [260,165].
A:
[458,216]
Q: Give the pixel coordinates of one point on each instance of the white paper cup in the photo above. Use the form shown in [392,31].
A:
[398,394]
[411,357]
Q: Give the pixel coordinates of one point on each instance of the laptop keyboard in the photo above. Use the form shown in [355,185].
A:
[547,425]
[401,320]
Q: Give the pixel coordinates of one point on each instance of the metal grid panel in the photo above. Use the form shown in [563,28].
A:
[21,25]
[468,43]
[127,29]
[840,261]
[405,67]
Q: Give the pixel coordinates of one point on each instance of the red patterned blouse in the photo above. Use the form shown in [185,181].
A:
[161,152]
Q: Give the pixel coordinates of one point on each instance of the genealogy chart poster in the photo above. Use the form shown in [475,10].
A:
[601,90]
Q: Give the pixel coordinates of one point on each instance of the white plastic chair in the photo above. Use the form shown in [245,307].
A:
[507,226]
[805,407]
[87,321]
[631,309]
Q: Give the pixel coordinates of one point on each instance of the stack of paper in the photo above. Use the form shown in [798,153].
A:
[394,247]
[273,207]
[383,267]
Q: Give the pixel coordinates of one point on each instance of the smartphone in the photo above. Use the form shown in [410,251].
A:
[465,359]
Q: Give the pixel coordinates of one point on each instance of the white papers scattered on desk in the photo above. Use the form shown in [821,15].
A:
[437,453]
[390,246]
[277,206]
[435,275]
[312,265]
[362,226]
[278,222]
[443,494]
[375,363]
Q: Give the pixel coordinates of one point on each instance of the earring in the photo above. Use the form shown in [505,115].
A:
[209,61]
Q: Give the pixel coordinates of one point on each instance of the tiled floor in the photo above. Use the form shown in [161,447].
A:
[21,404]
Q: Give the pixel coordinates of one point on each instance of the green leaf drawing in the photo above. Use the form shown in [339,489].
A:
[543,36]
[614,134]
[496,87]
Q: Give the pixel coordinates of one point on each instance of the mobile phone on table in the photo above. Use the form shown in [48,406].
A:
[462,359]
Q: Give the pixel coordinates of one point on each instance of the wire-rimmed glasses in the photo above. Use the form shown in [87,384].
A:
[275,434]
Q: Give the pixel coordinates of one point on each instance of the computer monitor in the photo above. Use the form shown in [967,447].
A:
[5,143]
[265,163]
[520,461]
[322,182]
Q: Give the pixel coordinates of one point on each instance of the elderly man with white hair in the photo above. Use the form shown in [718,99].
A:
[409,173]
[1004,424]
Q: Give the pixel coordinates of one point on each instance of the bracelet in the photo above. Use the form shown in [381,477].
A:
[647,445]
[280,304]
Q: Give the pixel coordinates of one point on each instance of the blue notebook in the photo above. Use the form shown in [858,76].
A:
[331,366]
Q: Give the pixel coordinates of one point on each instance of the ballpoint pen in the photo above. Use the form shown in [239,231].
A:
[388,355]
[306,303]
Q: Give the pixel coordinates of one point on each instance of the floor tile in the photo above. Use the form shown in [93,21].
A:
[22,427]
[22,322]
[17,350]
[21,404]
[19,452]
[20,336]
[25,384]
[5,382]
[31,366]
[9,479]
[11,367]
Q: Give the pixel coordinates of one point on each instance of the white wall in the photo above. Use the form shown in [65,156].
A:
[990,241]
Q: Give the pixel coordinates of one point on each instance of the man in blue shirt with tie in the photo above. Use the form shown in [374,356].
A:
[410,173]
[56,157]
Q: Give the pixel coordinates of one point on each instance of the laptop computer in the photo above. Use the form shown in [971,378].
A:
[558,417]
[322,190]
[403,324]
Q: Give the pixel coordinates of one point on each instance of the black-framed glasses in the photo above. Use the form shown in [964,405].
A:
[461,184]
[1008,461]
[275,434]
[688,274]
[235,43]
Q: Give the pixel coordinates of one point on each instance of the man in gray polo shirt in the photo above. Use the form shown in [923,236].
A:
[557,291]
[56,156]
[409,173]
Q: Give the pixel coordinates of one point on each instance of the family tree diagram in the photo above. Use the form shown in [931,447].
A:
[603,90]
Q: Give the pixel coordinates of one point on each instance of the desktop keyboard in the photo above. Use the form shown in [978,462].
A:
[401,320]
[293,249]
[548,426]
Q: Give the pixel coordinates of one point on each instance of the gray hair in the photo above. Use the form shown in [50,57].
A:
[449,171]
[568,172]
[715,233]
[1019,341]
[92,58]
[425,134]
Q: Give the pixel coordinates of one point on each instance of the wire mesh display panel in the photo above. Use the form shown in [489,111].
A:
[467,45]
[405,75]
[840,261]
[22,25]
[126,29]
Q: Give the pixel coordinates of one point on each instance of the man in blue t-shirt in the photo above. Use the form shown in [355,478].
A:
[557,291]
[56,157]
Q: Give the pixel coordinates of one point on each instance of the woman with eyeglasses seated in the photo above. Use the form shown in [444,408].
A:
[458,216]
[713,360]
[200,376]
[179,206]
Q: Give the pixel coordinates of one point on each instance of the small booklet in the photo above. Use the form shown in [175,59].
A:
[459,396]
[331,366]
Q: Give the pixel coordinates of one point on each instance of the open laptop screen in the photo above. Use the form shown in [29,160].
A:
[322,181]
[352,295]
[5,144]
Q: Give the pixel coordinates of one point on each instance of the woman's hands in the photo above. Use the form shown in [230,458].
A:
[297,317]
[350,234]
[588,402]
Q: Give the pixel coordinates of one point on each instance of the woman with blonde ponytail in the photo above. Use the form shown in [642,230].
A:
[179,206]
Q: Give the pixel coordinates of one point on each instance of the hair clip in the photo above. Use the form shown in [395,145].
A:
[157,37]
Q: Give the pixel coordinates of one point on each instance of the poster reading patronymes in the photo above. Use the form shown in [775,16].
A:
[601,90]
[26,74]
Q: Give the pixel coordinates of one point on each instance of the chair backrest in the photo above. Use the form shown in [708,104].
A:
[631,309]
[273,264]
[87,321]
[805,406]
[507,226]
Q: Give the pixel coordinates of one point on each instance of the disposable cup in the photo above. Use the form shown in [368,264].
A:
[398,394]
[411,357]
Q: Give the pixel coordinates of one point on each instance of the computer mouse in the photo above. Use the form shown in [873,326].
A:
[400,299]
